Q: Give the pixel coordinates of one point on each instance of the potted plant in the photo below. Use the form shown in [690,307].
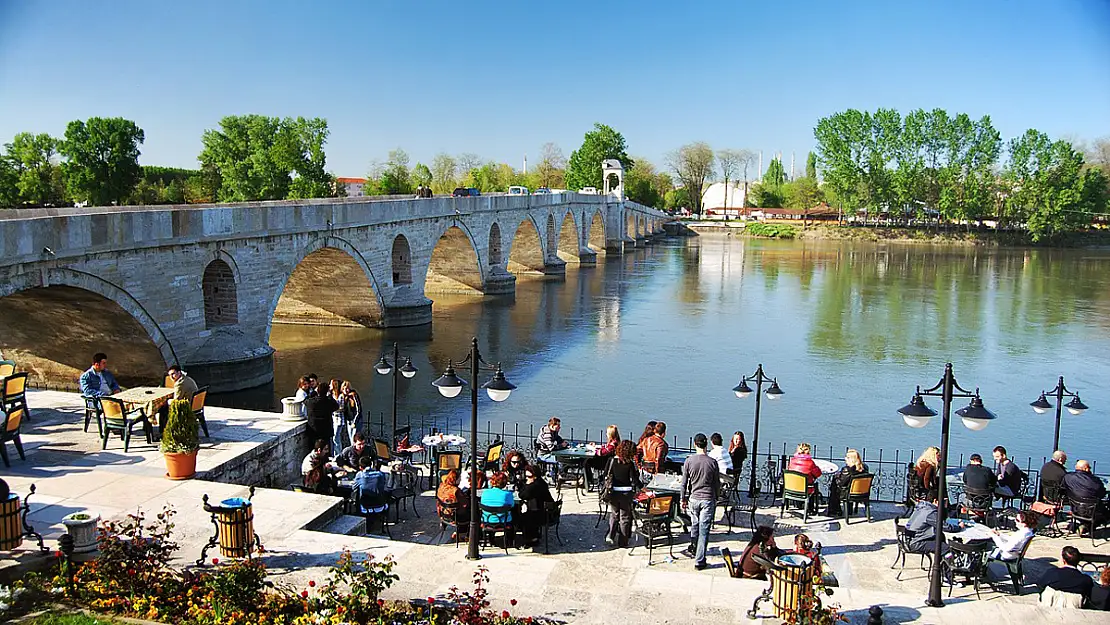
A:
[82,527]
[180,441]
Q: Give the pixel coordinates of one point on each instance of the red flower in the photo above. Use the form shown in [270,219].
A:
[304,593]
[381,602]
[58,554]
[215,560]
[431,600]
[504,614]
[512,602]
[311,584]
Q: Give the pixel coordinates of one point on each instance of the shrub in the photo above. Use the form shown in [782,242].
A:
[180,432]
[134,560]
[774,231]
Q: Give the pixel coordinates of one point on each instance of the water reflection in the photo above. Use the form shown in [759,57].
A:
[849,328]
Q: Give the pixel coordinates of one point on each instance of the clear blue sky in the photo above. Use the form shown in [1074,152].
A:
[501,78]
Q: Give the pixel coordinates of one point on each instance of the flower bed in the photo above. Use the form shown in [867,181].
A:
[133,578]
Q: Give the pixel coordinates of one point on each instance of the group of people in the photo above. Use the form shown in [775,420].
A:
[333,411]
[98,381]
[369,486]
[762,544]
[514,501]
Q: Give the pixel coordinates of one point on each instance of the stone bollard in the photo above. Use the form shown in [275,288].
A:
[876,615]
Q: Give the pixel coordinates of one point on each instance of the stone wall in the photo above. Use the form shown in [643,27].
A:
[273,464]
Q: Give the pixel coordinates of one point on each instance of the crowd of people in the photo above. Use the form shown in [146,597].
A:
[333,410]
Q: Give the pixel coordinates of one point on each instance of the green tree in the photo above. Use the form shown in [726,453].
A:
[839,154]
[1048,185]
[255,157]
[9,182]
[811,166]
[770,192]
[305,139]
[641,184]
[584,166]
[443,173]
[693,164]
[802,193]
[393,179]
[33,160]
[677,199]
[102,159]
[421,175]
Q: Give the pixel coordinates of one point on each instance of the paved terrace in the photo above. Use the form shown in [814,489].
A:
[581,582]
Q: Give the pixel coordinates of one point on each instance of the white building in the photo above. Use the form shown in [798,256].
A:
[729,204]
[353,185]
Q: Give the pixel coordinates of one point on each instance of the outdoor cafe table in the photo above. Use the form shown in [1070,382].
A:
[966,531]
[438,443]
[149,398]
[825,466]
[665,483]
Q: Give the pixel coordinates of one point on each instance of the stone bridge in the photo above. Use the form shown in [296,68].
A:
[202,285]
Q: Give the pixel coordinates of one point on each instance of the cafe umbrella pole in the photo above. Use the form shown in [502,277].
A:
[916,415]
[498,389]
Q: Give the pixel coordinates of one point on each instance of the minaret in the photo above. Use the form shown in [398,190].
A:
[525,164]
[759,174]
[791,165]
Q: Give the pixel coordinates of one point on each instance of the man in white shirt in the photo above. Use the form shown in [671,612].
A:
[720,453]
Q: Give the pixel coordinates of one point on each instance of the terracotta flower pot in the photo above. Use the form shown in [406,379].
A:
[181,466]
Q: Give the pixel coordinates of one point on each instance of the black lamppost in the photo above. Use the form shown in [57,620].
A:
[1075,406]
[916,415]
[385,368]
[498,389]
[742,390]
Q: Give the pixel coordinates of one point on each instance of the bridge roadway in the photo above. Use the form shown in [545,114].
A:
[201,285]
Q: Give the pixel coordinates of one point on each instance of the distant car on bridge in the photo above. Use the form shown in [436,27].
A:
[588,190]
[518,190]
[542,191]
[465,192]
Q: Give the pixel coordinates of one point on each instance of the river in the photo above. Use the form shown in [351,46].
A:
[848,328]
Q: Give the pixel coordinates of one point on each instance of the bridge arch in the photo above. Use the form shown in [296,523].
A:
[455,266]
[494,245]
[527,253]
[330,284]
[595,236]
[629,224]
[219,284]
[568,238]
[60,317]
[401,260]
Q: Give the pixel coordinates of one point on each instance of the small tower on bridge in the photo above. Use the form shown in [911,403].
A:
[611,168]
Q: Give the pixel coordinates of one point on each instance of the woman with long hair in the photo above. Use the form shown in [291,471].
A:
[450,493]
[926,468]
[352,409]
[602,454]
[626,482]
[514,466]
[763,544]
[738,451]
[853,466]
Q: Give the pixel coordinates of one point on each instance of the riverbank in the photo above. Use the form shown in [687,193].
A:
[789,229]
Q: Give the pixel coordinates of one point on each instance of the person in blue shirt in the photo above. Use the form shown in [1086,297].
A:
[496,496]
[371,486]
[97,381]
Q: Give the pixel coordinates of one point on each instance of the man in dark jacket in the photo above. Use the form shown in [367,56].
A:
[1067,578]
[923,524]
[1082,484]
[318,409]
[977,476]
[1053,472]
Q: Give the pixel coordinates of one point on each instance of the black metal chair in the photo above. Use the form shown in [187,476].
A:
[654,523]
[500,522]
[904,537]
[117,418]
[858,492]
[798,488]
[978,503]
[727,498]
[969,560]
[553,513]
[448,514]
[1082,512]
[1052,504]
[9,431]
[406,485]
[373,507]
[572,475]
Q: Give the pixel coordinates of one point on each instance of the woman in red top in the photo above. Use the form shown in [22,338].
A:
[802,462]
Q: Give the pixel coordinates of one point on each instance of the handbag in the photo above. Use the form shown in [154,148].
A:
[605,491]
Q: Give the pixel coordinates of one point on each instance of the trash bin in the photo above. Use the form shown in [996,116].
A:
[790,581]
[11,529]
[235,520]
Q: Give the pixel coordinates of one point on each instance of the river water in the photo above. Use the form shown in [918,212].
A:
[848,328]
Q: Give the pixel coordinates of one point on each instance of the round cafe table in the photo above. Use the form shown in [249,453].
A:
[825,466]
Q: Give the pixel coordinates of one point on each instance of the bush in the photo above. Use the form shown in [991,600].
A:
[180,432]
[774,231]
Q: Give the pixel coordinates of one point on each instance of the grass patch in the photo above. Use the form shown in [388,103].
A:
[70,618]
[773,231]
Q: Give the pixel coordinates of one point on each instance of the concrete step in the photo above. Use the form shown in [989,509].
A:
[346,524]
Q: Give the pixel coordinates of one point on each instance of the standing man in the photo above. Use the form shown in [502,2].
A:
[97,381]
[184,387]
[1009,475]
[701,481]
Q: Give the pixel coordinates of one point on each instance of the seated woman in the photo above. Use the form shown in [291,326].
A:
[802,462]
[1009,546]
[853,466]
[763,544]
[1100,593]
[536,495]
[602,453]
[649,431]
[804,546]
[496,496]
[926,470]
[450,493]
[514,466]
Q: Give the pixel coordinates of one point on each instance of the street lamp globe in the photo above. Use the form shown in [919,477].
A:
[383,367]
[774,392]
[498,388]
[449,384]
[407,370]
[1041,406]
[975,416]
[916,414]
[742,389]
[1075,406]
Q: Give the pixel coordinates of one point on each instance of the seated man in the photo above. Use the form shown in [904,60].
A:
[980,478]
[1067,578]
[371,487]
[548,441]
[97,381]
[184,387]
[349,460]
[316,470]
[1009,475]
[1082,484]
[1053,472]
[923,526]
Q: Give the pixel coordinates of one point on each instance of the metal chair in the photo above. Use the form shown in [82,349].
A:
[978,503]
[448,515]
[406,486]
[798,488]
[654,523]
[553,513]
[500,522]
[570,474]
[198,409]
[7,367]
[445,462]
[382,449]
[117,418]
[969,560]
[730,564]
[1053,500]
[858,491]
[904,537]
[13,393]
[493,456]
[9,431]
[1015,568]
[727,498]
[1082,512]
